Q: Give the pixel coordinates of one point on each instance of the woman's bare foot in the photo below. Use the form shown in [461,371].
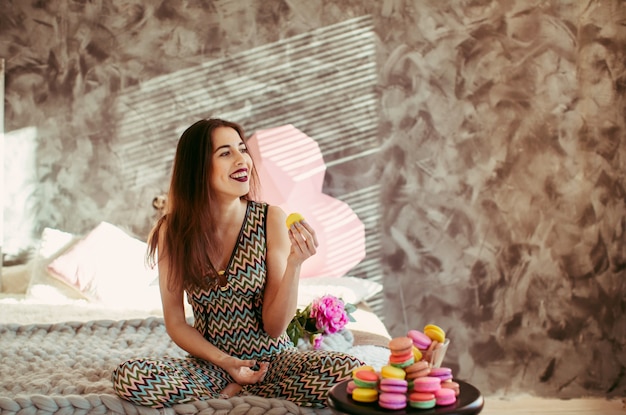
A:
[231,389]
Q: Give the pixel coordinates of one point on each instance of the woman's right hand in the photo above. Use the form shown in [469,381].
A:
[241,370]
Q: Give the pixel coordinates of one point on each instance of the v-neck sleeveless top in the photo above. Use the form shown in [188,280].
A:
[230,317]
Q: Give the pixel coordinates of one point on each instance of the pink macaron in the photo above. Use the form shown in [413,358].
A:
[393,385]
[426,384]
[420,340]
[389,400]
[350,387]
[445,397]
[450,384]
[443,373]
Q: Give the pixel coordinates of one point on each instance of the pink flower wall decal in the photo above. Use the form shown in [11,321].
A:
[291,168]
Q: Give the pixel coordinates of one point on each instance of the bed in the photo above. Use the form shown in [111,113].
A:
[81,305]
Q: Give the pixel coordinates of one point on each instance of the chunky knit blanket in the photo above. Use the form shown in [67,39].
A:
[66,368]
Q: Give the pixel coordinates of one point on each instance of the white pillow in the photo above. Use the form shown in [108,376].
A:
[106,266]
[351,290]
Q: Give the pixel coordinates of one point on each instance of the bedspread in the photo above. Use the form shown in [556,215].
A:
[65,368]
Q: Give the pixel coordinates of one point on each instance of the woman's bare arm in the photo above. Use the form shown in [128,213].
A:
[286,251]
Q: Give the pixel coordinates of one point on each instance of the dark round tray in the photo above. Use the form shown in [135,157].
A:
[469,402]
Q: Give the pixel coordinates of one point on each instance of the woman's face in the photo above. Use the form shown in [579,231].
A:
[231,165]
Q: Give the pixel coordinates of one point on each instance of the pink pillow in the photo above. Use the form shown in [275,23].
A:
[106,266]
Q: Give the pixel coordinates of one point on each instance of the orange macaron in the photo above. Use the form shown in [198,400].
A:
[417,370]
[402,360]
[401,346]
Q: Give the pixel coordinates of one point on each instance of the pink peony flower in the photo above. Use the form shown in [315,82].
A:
[329,313]
[323,316]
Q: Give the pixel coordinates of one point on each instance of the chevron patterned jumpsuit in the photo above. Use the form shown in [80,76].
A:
[230,318]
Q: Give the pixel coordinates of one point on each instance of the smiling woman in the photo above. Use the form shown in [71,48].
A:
[239,266]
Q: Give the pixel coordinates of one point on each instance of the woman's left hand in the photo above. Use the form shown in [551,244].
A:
[303,241]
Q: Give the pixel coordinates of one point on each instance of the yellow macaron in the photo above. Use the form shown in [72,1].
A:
[435,333]
[365,394]
[417,354]
[293,218]
[392,372]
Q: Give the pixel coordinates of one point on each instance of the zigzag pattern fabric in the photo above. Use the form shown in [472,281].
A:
[230,318]
[304,377]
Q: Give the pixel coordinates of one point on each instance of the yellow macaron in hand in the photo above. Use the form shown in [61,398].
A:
[293,218]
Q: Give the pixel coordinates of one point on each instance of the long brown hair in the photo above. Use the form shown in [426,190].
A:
[188,224]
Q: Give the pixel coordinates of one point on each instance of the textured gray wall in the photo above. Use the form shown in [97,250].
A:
[493,173]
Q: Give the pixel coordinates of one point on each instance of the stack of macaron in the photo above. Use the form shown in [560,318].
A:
[393,388]
[409,375]
[432,386]
[401,352]
[364,384]
[423,395]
